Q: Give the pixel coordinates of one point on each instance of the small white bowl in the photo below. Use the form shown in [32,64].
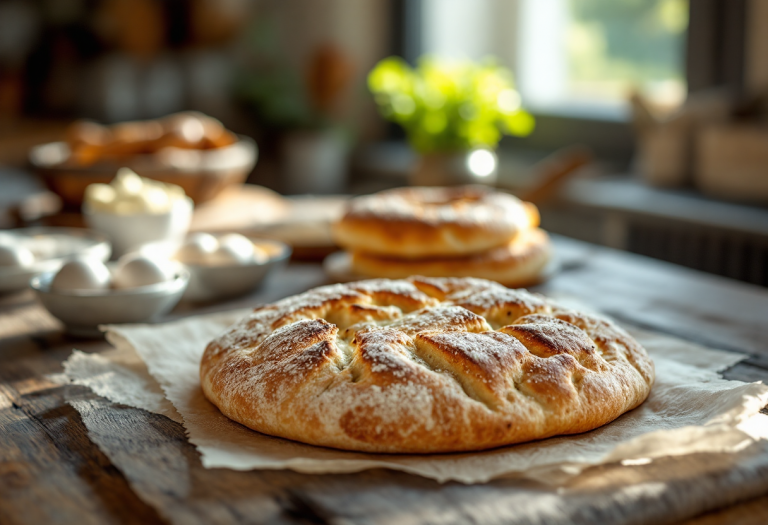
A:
[212,283]
[82,311]
[51,247]
[131,232]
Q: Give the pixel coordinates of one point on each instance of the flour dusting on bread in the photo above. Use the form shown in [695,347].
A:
[423,365]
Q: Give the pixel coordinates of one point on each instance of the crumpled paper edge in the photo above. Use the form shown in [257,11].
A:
[734,430]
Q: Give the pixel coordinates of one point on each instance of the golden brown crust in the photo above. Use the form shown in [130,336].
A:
[423,365]
[428,222]
[518,263]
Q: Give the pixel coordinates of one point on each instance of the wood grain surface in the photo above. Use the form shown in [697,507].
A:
[116,464]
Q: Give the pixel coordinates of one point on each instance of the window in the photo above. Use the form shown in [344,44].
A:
[570,57]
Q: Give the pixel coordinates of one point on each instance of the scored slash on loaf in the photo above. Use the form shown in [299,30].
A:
[423,365]
[444,232]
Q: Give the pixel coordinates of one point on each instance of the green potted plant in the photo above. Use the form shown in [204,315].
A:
[453,112]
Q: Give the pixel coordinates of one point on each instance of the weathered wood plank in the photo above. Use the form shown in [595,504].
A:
[753,512]
[661,296]
[165,470]
[747,372]
[51,472]
[169,474]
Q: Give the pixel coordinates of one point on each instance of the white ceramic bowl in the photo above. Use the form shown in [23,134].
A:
[131,232]
[213,283]
[51,247]
[82,311]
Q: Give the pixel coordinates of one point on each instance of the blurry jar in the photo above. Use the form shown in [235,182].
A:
[479,166]
[314,161]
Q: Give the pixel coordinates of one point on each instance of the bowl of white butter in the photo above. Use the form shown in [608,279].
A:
[134,211]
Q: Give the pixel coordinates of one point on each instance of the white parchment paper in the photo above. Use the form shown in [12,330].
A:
[690,409]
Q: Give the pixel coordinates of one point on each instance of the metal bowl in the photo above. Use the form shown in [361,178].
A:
[202,173]
[214,283]
[82,311]
[51,246]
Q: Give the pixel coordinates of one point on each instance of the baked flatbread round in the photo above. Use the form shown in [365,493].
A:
[518,263]
[413,223]
[423,365]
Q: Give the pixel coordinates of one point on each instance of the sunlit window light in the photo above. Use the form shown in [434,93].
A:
[481,162]
[570,57]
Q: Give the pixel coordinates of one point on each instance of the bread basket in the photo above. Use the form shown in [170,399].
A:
[202,173]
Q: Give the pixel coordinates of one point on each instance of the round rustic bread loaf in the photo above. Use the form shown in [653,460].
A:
[423,365]
[433,222]
[518,263]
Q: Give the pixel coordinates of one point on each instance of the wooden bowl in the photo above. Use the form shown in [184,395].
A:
[202,173]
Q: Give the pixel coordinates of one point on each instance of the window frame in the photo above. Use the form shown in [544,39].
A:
[714,57]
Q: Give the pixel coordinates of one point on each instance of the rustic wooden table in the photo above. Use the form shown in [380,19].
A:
[137,467]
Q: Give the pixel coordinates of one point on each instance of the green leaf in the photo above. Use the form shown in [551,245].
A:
[449,105]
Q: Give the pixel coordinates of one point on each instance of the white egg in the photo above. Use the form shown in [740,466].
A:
[138,270]
[233,249]
[260,255]
[81,274]
[197,248]
[16,256]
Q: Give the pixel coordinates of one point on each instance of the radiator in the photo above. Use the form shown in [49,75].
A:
[718,251]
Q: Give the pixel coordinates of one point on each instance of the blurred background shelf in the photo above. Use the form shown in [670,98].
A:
[679,226]
[292,75]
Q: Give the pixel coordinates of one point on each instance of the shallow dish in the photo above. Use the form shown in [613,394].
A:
[52,246]
[82,311]
[213,283]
